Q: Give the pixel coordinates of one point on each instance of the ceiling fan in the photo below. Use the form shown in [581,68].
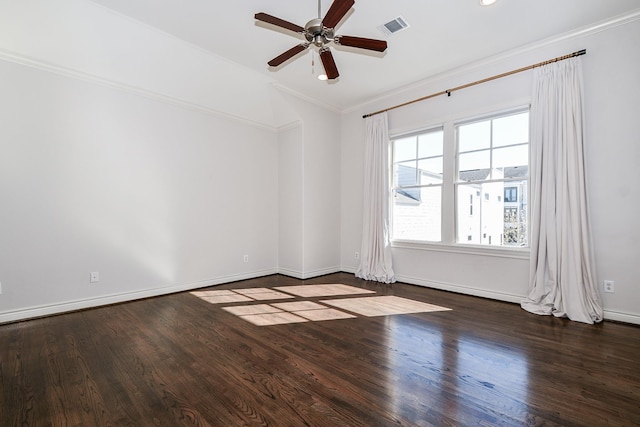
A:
[320,32]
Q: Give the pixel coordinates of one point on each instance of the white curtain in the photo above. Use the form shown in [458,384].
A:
[562,279]
[375,253]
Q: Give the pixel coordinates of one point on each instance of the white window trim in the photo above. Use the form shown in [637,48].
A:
[483,250]
[448,226]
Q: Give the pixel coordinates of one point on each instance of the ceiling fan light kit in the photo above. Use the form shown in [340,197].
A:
[320,32]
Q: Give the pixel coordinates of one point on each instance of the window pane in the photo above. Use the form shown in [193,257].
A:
[418,219]
[492,220]
[430,171]
[511,130]
[404,149]
[515,215]
[511,156]
[474,166]
[404,174]
[474,136]
[430,144]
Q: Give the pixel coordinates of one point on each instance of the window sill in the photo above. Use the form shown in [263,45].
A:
[502,252]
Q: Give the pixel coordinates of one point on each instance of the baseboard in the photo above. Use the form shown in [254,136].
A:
[461,289]
[501,296]
[64,307]
[622,317]
[349,269]
[297,274]
[52,309]
[303,275]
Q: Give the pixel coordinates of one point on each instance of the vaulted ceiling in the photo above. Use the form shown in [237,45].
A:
[442,35]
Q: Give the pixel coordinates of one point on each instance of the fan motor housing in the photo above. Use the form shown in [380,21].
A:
[317,33]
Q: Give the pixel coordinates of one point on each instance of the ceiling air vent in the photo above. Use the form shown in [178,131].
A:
[393,26]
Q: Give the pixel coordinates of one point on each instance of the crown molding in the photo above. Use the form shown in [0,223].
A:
[41,65]
[591,29]
[25,60]
[306,98]
[290,126]
[202,50]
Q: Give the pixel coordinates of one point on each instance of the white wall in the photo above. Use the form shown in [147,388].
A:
[613,152]
[313,158]
[291,197]
[153,196]
[612,91]
[151,161]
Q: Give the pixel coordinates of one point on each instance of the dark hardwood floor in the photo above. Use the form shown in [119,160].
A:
[178,360]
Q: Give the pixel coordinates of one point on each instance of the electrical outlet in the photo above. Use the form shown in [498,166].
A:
[246,258]
[609,286]
[357,255]
[95,277]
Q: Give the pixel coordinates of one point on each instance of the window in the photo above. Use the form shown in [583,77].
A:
[463,183]
[511,194]
[493,157]
[417,186]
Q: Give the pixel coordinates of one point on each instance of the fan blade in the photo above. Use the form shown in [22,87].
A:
[288,55]
[279,22]
[361,42]
[329,64]
[336,12]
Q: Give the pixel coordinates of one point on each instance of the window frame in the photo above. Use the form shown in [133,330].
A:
[449,241]
[392,162]
[491,151]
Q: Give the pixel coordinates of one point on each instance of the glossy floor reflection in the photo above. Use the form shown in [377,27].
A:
[455,370]
[200,358]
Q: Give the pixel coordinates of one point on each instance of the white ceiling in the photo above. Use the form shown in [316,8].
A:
[443,35]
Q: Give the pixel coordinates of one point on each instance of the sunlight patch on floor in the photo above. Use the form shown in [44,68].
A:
[263,294]
[273,319]
[278,313]
[244,310]
[383,305]
[310,291]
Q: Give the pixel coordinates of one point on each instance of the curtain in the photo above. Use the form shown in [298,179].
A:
[375,253]
[562,279]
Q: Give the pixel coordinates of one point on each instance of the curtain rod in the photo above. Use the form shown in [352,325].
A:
[448,92]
